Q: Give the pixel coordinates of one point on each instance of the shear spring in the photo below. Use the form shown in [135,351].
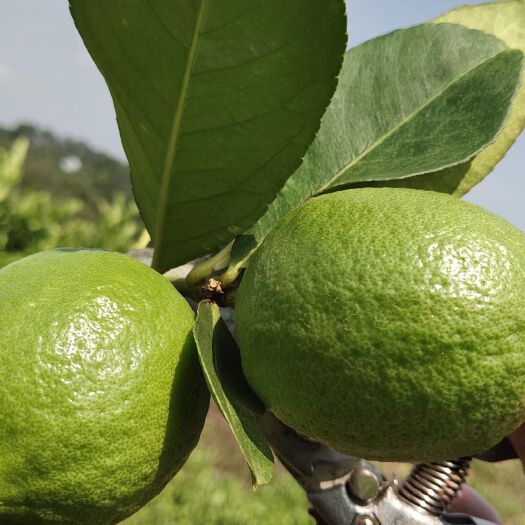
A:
[433,486]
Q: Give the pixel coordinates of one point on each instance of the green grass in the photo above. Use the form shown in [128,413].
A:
[503,485]
[214,488]
[199,495]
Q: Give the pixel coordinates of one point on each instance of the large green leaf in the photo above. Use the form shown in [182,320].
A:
[506,20]
[408,103]
[217,102]
[220,361]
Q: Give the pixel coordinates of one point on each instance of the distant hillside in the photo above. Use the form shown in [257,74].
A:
[68,168]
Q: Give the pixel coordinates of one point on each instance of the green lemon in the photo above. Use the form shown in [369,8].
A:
[389,324]
[101,394]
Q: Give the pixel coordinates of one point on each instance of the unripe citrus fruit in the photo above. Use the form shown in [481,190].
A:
[389,324]
[101,395]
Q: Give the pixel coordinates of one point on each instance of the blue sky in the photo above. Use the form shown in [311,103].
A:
[47,77]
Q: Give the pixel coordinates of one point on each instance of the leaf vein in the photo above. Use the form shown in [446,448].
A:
[172,145]
[397,127]
[233,21]
[251,61]
[165,26]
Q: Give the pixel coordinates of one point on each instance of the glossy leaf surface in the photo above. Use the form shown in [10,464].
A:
[217,102]
[506,20]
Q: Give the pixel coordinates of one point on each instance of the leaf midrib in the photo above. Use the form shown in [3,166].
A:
[407,119]
[174,136]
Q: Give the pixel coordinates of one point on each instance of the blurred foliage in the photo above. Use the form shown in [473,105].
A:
[214,488]
[68,168]
[199,496]
[36,220]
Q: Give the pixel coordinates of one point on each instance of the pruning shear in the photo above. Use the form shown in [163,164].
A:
[346,490]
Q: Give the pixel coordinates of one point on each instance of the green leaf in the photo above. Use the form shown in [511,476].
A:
[220,361]
[408,103]
[217,101]
[506,20]
[444,181]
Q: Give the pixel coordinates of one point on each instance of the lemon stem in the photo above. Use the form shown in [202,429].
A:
[204,269]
